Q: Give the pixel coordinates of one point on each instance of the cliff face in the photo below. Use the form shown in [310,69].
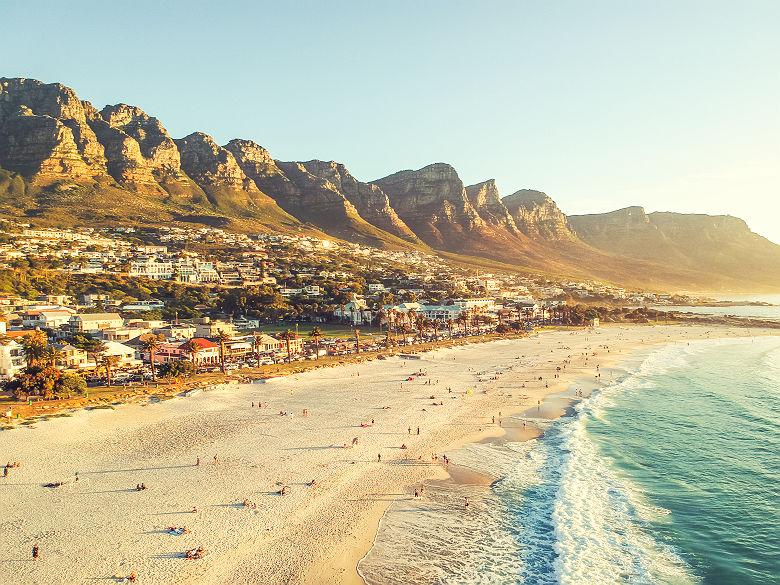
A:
[433,202]
[369,200]
[719,246]
[209,164]
[44,132]
[487,203]
[537,216]
[63,160]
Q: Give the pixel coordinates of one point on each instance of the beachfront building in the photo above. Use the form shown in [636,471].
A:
[68,356]
[208,352]
[125,353]
[266,343]
[356,311]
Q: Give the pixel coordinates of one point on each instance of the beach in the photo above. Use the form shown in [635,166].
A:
[101,527]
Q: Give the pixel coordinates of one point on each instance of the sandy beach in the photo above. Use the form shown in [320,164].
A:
[100,527]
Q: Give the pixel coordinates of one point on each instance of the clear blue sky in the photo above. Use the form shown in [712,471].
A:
[672,105]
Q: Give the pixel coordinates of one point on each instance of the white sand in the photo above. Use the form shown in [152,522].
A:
[101,527]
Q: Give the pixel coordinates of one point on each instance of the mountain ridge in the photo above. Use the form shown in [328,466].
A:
[62,159]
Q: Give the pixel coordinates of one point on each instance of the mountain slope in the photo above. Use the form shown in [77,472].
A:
[722,248]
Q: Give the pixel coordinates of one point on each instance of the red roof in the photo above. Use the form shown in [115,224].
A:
[203,343]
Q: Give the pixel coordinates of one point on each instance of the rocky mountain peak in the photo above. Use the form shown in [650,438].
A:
[486,201]
[537,216]
[207,163]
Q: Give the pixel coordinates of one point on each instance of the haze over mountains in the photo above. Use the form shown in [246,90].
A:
[64,162]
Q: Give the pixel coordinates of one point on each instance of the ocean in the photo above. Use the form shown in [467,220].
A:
[669,475]
[771,311]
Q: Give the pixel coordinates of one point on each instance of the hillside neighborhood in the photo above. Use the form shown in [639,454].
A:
[225,290]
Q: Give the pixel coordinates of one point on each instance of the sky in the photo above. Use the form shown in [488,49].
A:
[602,104]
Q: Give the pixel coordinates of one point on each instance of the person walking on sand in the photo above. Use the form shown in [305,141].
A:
[418,430]
[35,552]
[216,460]
[467,502]
[197,462]
[379,457]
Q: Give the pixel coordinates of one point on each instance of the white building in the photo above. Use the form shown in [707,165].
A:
[12,359]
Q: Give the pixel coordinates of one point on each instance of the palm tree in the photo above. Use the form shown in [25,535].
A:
[381,315]
[222,337]
[288,335]
[387,339]
[403,330]
[151,344]
[36,348]
[192,349]
[450,326]
[357,340]
[315,334]
[108,362]
[436,324]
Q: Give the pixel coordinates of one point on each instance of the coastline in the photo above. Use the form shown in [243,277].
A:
[314,534]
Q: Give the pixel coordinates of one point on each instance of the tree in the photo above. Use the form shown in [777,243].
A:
[180,369]
[315,334]
[150,345]
[450,325]
[222,337]
[357,340]
[96,349]
[403,330]
[288,335]
[37,349]
[73,384]
[502,328]
[192,348]
[108,362]
[36,381]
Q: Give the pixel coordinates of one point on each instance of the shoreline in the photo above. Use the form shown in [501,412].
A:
[461,475]
[314,534]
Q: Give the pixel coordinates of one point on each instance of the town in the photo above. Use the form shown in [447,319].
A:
[127,304]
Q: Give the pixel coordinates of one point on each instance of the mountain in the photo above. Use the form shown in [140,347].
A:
[722,247]
[536,215]
[64,162]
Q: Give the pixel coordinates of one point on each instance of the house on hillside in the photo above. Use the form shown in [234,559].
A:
[93,322]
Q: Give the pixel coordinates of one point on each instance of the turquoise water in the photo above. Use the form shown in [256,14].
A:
[699,438]
[668,476]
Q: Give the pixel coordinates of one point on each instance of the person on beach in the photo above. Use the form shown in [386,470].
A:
[197,462]
[418,430]
[379,457]
[35,552]
[467,502]
[216,460]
